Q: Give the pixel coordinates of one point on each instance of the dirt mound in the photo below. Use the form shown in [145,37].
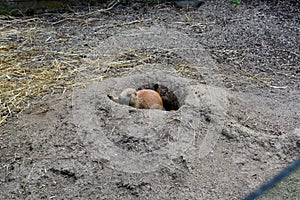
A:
[134,140]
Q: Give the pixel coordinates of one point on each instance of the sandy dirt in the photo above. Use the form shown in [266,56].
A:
[235,72]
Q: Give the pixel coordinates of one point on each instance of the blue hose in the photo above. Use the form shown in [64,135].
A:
[284,173]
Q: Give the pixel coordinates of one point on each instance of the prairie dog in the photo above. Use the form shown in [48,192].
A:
[144,99]
[170,101]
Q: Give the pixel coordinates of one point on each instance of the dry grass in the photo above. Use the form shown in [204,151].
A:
[20,83]
[27,69]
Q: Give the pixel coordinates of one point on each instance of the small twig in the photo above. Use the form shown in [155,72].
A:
[277,87]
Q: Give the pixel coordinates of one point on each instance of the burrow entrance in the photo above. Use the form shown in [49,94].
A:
[170,100]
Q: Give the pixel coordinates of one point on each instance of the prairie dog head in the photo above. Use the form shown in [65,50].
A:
[128,97]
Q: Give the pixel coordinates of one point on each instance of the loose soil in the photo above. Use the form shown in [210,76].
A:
[234,70]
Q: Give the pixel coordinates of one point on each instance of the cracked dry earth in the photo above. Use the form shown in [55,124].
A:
[235,72]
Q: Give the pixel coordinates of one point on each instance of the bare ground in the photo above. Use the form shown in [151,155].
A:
[235,72]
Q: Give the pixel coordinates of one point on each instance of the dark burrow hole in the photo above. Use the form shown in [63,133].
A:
[170,100]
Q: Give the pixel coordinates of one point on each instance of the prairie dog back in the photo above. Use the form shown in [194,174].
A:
[149,99]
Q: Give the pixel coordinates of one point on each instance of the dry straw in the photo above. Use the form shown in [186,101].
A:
[27,70]
[20,83]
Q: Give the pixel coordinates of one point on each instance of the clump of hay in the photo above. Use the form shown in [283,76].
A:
[19,83]
[29,68]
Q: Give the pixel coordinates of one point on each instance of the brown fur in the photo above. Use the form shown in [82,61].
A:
[149,99]
[144,99]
